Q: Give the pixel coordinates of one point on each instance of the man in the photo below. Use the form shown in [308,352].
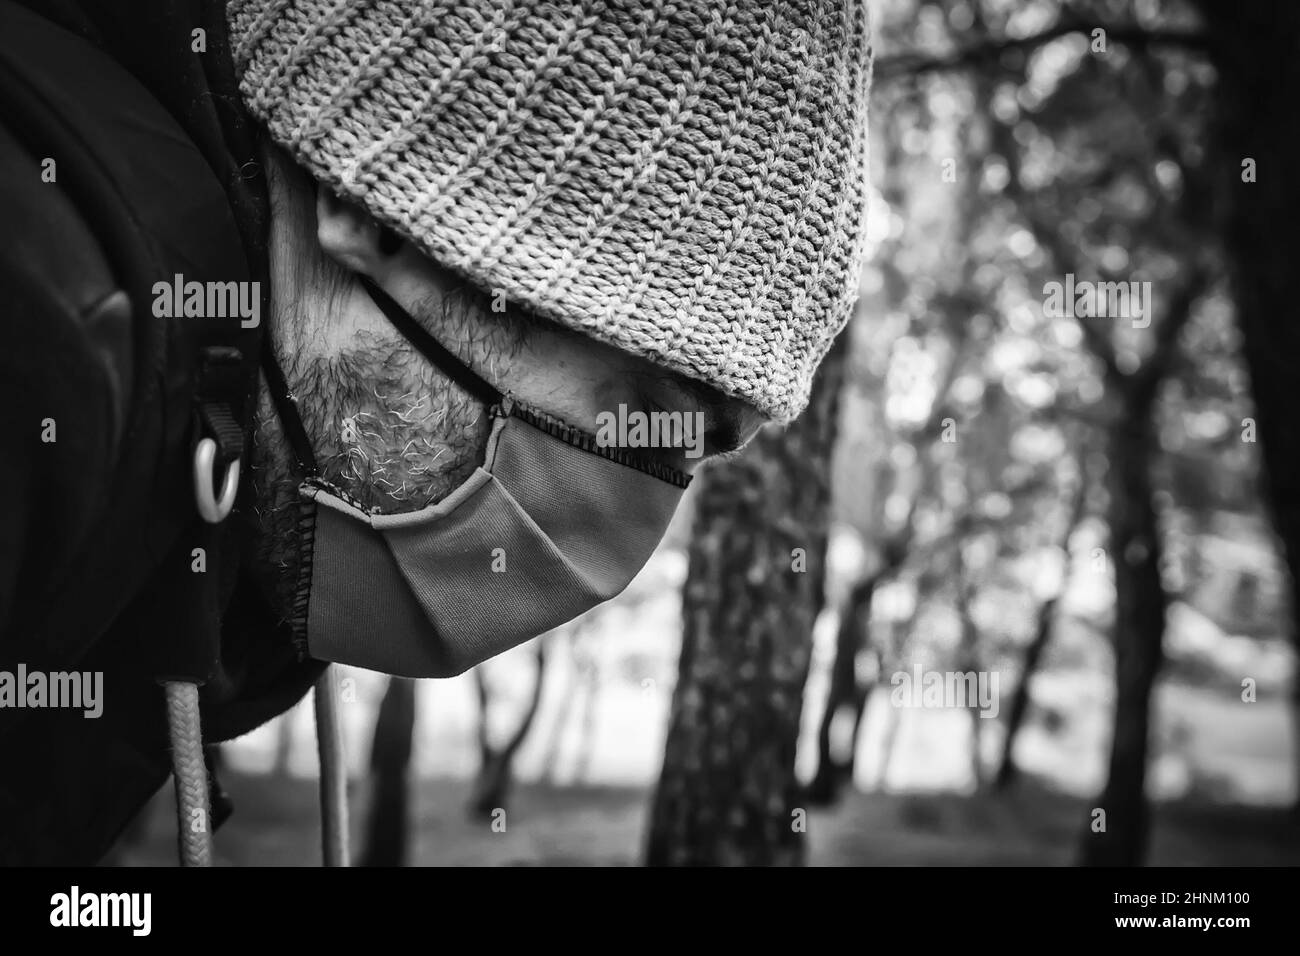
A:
[322,313]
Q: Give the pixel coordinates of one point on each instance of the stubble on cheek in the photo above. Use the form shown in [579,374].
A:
[388,430]
[392,432]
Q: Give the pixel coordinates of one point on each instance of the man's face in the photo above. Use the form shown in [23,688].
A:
[387,427]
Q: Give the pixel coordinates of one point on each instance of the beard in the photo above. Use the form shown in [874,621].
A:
[387,429]
[390,431]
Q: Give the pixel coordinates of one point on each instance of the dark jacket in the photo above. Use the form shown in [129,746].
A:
[154,173]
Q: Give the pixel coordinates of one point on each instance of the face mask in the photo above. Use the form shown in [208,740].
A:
[550,525]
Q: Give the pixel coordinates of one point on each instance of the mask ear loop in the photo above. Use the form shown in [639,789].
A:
[433,350]
[487,393]
[288,411]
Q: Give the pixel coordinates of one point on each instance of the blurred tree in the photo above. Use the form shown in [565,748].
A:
[492,785]
[847,692]
[575,642]
[1096,121]
[1132,372]
[388,824]
[1044,624]
[849,687]
[1256,49]
[968,655]
[900,455]
[727,794]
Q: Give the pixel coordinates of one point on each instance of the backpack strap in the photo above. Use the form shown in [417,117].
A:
[157,211]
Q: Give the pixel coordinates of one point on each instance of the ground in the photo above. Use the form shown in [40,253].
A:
[276,820]
[1222,768]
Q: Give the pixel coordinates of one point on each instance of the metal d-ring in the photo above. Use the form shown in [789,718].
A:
[214,510]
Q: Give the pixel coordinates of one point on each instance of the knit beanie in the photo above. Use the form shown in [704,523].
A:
[682,179]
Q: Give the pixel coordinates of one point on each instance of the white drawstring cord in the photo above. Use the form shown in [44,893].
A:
[193,814]
[333,772]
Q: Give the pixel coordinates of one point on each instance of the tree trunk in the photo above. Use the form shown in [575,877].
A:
[968,661]
[1256,48]
[388,826]
[1138,639]
[496,767]
[1007,770]
[728,793]
[843,695]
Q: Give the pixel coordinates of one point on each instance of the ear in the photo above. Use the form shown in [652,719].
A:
[351,237]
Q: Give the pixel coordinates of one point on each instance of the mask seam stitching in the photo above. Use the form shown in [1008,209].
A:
[302,592]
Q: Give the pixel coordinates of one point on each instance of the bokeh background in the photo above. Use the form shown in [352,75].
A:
[1093,512]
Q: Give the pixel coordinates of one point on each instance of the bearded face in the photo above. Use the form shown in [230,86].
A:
[387,428]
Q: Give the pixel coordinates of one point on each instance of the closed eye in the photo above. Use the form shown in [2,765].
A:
[722,428]
[673,457]
[728,424]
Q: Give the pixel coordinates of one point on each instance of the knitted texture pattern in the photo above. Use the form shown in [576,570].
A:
[683,180]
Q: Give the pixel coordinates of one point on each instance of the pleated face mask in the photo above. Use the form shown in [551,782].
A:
[547,527]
